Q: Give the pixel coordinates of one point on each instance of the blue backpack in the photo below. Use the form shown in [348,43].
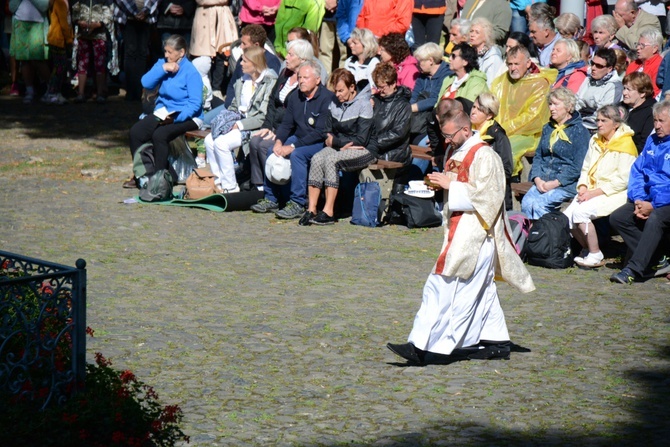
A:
[367,198]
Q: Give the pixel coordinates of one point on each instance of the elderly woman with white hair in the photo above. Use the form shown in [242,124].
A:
[603,182]
[363,58]
[649,45]
[603,29]
[566,58]
[482,40]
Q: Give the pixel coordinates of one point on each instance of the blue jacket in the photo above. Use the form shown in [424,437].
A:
[430,85]
[304,121]
[650,174]
[564,163]
[180,91]
[346,16]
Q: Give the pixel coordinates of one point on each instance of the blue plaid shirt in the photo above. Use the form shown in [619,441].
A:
[125,9]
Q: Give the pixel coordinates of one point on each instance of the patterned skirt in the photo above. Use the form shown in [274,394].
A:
[28,41]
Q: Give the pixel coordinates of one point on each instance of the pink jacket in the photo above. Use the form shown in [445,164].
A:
[252,11]
[408,72]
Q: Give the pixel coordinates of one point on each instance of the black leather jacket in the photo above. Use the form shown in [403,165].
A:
[392,116]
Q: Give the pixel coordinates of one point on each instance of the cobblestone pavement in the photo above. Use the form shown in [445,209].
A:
[267,333]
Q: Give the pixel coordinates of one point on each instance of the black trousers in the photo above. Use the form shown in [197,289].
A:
[147,130]
[426,28]
[136,36]
[642,237]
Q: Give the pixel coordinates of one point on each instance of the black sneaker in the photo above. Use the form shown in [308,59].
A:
[264,206]
[306,218]
[291,211]
[625,276]
[323,219]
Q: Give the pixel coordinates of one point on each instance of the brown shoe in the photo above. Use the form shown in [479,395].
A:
[130,184]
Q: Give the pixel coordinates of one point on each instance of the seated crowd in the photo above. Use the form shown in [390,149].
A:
[584,106]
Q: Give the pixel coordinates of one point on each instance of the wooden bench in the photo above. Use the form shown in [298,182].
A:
[383,172]
[197,133]
[421,152]
[518,191]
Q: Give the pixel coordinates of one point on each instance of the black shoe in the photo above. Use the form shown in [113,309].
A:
[407,351]
[323,219]
[492,352]
[306,218]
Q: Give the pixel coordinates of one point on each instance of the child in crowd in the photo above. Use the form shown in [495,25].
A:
[59,38]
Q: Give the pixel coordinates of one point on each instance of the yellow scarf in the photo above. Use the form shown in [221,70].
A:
[482,130]
[623,142]
[558,134]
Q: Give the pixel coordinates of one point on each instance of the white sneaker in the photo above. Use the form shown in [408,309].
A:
[233,190]
[28,98]
[593,260]
[582,254]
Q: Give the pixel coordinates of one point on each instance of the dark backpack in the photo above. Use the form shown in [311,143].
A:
[549,242]
[158,188]
[413,212]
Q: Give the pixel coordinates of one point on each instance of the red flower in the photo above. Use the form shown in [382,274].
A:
[127,376]
[100,360]
[83,434]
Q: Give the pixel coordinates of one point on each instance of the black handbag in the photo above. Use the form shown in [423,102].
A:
[414,212]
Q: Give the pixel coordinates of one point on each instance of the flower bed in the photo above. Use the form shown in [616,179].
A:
[49,396]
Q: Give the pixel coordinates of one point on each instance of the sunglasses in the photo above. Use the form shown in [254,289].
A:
[601,66]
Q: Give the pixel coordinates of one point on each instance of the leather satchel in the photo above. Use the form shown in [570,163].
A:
[200,184]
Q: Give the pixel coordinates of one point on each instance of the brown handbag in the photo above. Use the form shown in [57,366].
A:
[200,184]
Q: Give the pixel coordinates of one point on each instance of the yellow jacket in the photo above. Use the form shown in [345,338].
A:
[609,170]
[60,29]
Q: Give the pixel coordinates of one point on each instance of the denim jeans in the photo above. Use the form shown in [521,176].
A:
[519,22]
[536,204]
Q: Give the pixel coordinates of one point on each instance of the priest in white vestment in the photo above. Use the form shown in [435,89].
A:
[460,312]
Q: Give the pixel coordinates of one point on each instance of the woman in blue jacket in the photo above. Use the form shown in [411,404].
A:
[558,158]
[180,94]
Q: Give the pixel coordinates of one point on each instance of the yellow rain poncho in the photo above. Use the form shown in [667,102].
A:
[523,109]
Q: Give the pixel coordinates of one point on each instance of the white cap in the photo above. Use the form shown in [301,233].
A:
[278,169]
